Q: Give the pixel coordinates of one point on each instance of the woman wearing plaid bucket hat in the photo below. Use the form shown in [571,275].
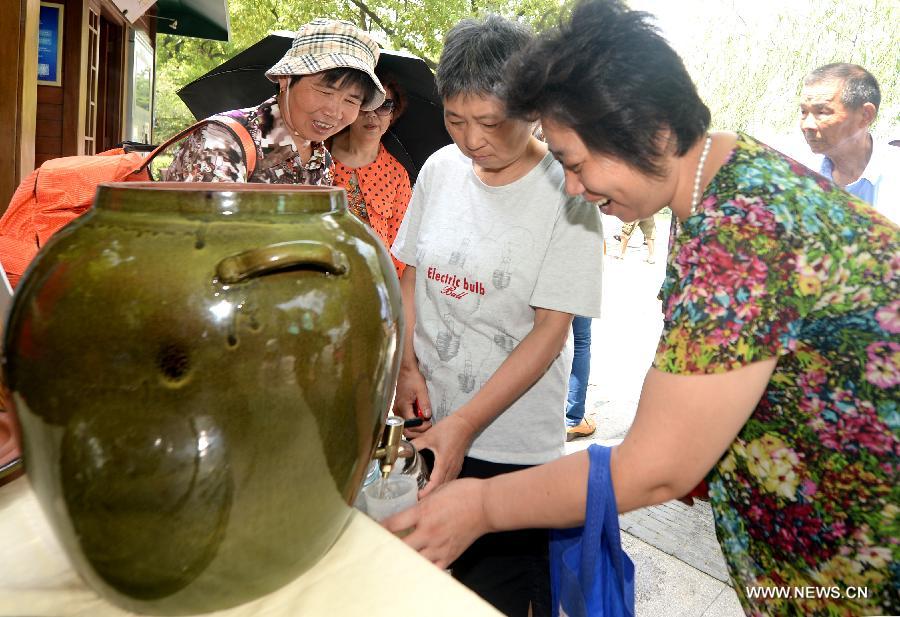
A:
[323,81]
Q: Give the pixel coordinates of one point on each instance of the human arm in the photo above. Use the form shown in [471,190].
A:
[450,439]
[683,425]
[411,387]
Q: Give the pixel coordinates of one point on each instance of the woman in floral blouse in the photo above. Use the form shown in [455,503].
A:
[778,369]
[323,82]
[377,185]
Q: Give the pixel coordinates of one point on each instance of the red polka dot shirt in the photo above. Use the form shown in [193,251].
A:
[383,188]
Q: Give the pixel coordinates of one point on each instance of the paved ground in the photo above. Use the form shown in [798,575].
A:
[679,569]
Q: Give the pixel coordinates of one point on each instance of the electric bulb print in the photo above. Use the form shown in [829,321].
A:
[501,276]
[443,409]
[467,377]
[447,341]
[504,341]
[458,257]
[426,371]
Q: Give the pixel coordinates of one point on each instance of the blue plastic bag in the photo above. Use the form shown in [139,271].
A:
[590,574]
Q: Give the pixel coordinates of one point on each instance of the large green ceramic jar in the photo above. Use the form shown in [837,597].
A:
[201,372]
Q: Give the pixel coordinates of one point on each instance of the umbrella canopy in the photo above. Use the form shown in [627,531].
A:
[204,19]
[241,82]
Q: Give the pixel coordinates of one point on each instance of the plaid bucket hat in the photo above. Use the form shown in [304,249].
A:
[324,44]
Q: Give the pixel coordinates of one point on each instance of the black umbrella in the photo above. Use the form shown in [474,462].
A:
[241,82]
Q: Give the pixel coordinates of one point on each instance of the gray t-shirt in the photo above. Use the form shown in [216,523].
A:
[485,257]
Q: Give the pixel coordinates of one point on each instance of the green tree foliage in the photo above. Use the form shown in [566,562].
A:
[416,26]
[748,58]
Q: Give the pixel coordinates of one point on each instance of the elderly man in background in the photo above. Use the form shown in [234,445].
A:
[838,104]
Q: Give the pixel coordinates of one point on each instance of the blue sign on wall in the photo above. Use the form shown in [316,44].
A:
[50,31]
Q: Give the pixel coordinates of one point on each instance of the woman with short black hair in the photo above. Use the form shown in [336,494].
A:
[620,109]
[778,369]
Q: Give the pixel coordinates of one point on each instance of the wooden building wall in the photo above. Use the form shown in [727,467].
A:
[55,103]
[49,130]
[86,113]
[18,77]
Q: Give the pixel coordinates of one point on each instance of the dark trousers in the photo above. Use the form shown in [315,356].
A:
[510,569]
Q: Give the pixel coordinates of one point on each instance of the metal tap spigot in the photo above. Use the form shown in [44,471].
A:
[389,446]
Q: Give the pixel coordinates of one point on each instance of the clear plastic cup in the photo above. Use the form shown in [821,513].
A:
[372,475]
[385,498]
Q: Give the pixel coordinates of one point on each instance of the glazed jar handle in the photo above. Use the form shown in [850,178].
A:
[297,255]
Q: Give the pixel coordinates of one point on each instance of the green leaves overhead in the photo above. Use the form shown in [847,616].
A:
[747,58]
[416,26]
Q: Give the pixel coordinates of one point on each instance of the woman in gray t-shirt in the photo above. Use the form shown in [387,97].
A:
[498,261]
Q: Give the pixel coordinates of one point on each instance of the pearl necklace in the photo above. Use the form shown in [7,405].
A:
[695,197]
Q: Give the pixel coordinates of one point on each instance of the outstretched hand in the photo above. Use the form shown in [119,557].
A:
[446,522]
[448,440]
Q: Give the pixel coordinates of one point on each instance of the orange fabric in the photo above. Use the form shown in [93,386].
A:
[386,190]
[63,189]
[53,195]
[66,186]
[18,239]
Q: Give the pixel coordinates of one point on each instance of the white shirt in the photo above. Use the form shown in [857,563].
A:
[879,183]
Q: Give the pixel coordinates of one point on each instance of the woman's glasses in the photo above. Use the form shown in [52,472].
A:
[386,108]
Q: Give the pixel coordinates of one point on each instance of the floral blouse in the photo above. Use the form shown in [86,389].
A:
[212,154]
[378,194]
[780,262]
[356,203]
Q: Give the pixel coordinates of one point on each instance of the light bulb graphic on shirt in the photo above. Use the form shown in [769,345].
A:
[458,257]
[443,409]
[467,377]
[504,341]
[447,341]
[501,276]
[425,369]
